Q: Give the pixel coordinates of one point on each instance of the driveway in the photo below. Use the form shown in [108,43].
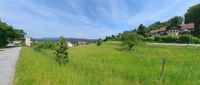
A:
[8,58]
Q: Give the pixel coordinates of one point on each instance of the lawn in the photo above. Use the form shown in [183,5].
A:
[110,64]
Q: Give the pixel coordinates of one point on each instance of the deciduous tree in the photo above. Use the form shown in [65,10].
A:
[130,39]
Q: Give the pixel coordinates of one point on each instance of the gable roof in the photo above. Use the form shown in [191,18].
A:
[173,27]
[162,29]
[153,31]
[187,26]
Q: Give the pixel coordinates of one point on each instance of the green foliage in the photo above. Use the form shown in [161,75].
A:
[130,39]
[110,64]
[8,33]
[185,38]
[193,16]
[142,30]
[157,25]
[169,39]
[61,51]
[44,45]
[99,42]
[148,39]
[157,38]
[166,39]
[195,40]
[107,38]
[176,20]
[3,42]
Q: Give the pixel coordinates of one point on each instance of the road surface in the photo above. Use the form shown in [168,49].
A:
[8,58]
[174,44]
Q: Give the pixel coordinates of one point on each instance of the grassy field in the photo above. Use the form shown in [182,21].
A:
[110,64]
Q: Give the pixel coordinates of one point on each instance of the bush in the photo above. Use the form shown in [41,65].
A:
[148,39]
[99,42]
[157,38]
[196,40]
[169,39]
[185,39]
[44,45]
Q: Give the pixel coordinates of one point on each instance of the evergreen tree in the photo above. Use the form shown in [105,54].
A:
[61,51]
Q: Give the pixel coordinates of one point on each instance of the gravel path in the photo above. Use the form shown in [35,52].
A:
[174,44]
[8,58]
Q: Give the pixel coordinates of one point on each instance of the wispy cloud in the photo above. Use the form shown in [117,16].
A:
[87,18]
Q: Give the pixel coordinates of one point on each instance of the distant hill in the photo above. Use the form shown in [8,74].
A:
[73,40]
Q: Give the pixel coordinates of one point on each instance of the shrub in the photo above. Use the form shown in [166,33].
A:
[148,39]
[44,45]
[185,38]
[99,42]
[196,40]
[169,39]
[61,51]
[157,38]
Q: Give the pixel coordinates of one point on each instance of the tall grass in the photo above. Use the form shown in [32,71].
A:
[111,64]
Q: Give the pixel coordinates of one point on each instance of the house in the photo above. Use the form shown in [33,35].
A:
[158,32]
[81,43]
[18,41]
[187,28]
[119,35]
[26,40]
[69,44]
[174,29]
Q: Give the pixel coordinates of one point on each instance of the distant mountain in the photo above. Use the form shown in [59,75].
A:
[73,40]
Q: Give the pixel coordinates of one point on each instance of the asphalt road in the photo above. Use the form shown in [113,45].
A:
[8,58]
[174,44]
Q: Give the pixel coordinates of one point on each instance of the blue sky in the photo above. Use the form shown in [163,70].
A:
[87,18]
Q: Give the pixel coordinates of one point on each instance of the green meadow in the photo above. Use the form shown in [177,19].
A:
[110,64]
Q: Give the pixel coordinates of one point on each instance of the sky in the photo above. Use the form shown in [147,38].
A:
[90,19]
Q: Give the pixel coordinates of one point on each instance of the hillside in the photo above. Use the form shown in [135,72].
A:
[73,40]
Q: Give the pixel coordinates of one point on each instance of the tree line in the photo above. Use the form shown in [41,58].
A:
[130,38]
[8,34]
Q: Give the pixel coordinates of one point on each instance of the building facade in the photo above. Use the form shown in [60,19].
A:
[174,30]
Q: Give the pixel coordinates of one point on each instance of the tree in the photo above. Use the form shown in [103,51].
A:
[3,42]
[141,30]
[107,38]
[176,20]
[193,16]
[8,33]
[99,42]
[157,25]
[61,51]
[130,39]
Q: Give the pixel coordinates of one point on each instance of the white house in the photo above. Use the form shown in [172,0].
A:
[69,44]
[28,41]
